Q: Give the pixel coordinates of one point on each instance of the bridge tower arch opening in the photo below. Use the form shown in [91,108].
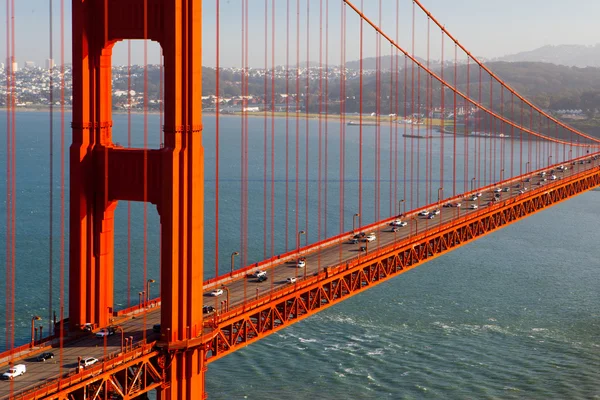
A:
[170,177]
[137,86]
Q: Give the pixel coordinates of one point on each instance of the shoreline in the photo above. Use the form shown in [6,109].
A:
[367,120]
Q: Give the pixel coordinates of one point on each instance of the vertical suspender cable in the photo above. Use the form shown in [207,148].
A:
[272,128]
[62,183]
[9,106]
[396,111]
[454,119]
[297,119]
[412,113]
[467,112]
[443,113]
[320,171]
[242,140]
[378,199]
[360,118]
[129,146]
[217,126]
[427,107]
[307,105]
[287,125]
[391,144]
[265,150]
[326,114]
[51,181]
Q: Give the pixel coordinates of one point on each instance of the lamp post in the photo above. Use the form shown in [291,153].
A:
[33,319]
[527,167]
[227,290]
[122,338]
[440,195]
[140,294]
[354,222]
[41,328]
[235,253]
[403,208]
[501,174]
[549,160]
[472,184]
[148,282]
[298,241]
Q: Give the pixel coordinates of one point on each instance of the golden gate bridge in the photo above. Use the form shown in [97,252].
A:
[508,160]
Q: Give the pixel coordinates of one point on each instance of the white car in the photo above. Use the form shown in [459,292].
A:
[436,212]
[424,213]
[370,237]
[106,332]
[553,177]
[291,280]
[505,189]
[497,190]
[473,206]
[473,198]
[216,292]
[479,194]
[301,263]
[15,371]
[398,222]
[86,362]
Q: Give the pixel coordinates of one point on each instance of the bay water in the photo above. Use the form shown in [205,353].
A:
[513,315]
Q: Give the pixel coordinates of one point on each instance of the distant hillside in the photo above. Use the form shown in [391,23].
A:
[370,63]
[565,54]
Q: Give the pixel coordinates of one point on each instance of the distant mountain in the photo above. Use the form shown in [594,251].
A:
[571,55]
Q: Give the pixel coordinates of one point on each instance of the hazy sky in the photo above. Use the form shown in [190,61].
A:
[488,28]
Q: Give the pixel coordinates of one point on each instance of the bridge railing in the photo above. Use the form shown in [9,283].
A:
[77,375]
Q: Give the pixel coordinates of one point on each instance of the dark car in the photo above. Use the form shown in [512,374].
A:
[156,328]
[45,356]
[208,309]
[262,278]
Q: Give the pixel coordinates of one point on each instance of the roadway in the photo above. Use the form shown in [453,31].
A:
[241,290]
[249,288]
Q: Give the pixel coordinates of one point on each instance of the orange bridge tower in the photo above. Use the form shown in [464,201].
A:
[172,177]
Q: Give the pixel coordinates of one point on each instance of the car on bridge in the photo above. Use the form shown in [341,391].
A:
[86,362]
[473,207]
[207,309]
[216,292]
[370,237]
[45,356]
[106,332]
[424,213]
[291,279]
[436,212]
[398,222]
[301,263]
[262,278]
[14,371]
